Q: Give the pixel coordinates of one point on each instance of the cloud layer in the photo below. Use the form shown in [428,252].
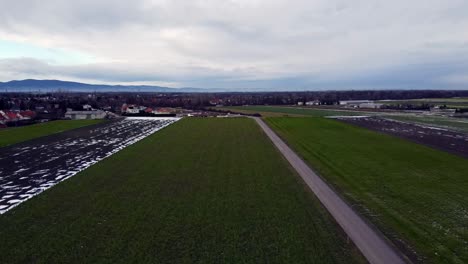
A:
[272,44]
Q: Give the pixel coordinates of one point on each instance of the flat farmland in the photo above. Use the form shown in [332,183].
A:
[415,194]
[443,139]
[456,124]
[198,191]
[272,111]
[457,102]
[29,168]
[451,123]
[10,136]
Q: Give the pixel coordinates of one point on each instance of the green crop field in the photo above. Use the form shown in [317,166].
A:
[9,136]
[411,192]
[199,191]
[288,110]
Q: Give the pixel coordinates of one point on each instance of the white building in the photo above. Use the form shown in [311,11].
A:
[87,107]
[354,102]
[360,104]
[442,111]
[76,115]
[309,103]
[370,105]
[132,109]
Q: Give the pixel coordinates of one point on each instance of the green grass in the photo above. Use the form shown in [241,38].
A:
[288,110]
[198,191]
[457,124]
[9,136]
[410,191]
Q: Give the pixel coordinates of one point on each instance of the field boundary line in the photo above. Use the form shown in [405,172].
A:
[375,248]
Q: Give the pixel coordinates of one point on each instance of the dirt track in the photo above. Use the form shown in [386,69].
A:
[28,168]
[373,245]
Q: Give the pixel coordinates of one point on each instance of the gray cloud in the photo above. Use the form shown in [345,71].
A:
[268,44]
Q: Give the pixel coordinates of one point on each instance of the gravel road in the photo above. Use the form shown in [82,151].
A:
[372,244]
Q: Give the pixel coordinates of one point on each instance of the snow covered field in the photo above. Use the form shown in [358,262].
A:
[31,168]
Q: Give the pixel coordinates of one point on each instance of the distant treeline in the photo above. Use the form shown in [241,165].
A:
[59,102]
[326,97]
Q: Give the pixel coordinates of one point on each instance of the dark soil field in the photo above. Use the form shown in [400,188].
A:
[199,191]
[415,194]
[443,139]
[32,167]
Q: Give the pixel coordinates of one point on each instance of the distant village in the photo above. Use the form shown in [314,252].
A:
[17,109]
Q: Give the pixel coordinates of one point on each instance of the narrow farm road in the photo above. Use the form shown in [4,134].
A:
[372,245]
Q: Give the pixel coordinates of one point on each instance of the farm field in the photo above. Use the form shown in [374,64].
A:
[9,136]
[456,124]
[414,194]
[288,110]
[30,168]
[200,190]
[442,139]
[460,102]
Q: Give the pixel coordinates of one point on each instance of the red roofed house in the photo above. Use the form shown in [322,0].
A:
[148,110]
[163,111]
[12,116]
[28,114]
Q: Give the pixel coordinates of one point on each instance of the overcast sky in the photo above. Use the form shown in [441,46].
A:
[239,44]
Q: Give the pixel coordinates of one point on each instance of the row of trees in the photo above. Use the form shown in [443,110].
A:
[113,101]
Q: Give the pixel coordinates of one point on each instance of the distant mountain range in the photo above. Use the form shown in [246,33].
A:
[31,85]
